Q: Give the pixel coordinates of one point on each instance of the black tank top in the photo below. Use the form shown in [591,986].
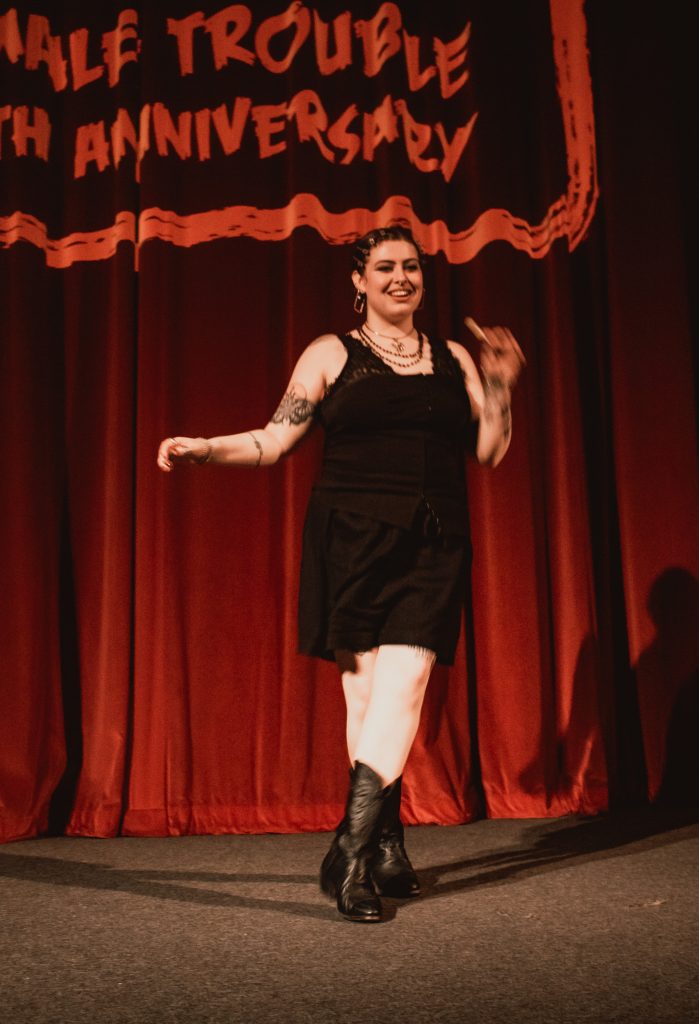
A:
[395,444]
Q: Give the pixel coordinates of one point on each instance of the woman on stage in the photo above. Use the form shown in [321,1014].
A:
[386,551]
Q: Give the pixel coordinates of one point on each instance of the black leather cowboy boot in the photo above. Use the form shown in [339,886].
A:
[344,873]
[391,870]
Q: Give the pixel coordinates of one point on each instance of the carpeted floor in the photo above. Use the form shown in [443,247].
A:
[563,921]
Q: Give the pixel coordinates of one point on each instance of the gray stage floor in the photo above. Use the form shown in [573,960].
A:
[567,920]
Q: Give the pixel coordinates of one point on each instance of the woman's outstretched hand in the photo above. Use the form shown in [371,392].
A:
[182,449]
[502,359]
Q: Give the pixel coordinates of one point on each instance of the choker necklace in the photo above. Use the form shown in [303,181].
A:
[396,356]
[389,337]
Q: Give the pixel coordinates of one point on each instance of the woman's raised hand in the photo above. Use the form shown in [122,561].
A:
[182,449]
[501,357]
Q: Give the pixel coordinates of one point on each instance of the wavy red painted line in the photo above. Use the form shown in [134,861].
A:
[275,225]
[306,210]
[73,248]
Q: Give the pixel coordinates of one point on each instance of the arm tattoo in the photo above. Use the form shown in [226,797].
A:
[293,408]
[258,446]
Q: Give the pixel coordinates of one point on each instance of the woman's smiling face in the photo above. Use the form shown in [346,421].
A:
[392,280]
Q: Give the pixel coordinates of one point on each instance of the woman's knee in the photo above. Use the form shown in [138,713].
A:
[405,670]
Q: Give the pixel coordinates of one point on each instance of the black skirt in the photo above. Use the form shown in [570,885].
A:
[365,583]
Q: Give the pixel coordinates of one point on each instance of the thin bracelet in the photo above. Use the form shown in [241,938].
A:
[259,448]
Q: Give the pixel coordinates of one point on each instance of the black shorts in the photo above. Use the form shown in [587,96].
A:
[366,583]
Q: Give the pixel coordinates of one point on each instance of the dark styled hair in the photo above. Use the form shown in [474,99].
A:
[391,233]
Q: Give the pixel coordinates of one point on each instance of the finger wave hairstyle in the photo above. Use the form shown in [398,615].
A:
[391,233]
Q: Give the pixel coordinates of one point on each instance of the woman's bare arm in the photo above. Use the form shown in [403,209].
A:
[292,420]
[490,391]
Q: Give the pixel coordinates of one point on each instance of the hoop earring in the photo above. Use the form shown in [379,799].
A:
[421,304]
[359,303]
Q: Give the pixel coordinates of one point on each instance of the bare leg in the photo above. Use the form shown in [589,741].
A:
[390,720]
[384,689]
[356,669]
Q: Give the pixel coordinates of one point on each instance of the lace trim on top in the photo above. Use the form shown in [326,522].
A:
[362,362]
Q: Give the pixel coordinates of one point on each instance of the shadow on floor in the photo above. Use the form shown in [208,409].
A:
[553,845]
[544,847]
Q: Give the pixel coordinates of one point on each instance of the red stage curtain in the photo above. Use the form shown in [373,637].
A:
[174,186]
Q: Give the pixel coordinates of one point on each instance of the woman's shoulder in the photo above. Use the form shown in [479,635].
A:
[326,345]
[462,356]
[321,349]
[325,356]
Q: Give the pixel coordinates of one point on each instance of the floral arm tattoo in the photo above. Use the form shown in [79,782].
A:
[294,409]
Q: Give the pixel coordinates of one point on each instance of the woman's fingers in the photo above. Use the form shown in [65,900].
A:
[508,343]
[168,449]
[493,339]
[180,449]
[498,346]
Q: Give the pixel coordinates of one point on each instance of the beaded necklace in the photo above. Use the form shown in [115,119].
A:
[397,356]
[396,339]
